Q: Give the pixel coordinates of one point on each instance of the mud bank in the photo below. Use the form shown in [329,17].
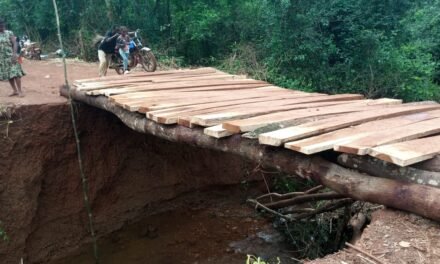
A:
[192,231]
[130,174]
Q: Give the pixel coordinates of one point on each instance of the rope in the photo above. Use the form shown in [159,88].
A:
[78,146]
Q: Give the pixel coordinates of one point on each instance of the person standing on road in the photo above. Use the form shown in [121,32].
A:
[10,69]
[105,50]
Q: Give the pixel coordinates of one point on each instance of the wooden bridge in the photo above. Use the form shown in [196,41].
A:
[281,128]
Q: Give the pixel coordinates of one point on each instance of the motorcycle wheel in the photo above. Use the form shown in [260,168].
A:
[149,62]
[37,56]
[116,63]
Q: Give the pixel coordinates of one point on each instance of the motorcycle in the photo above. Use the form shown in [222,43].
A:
[138,55]
[30,50]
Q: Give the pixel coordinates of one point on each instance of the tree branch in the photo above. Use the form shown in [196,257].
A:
[304,198]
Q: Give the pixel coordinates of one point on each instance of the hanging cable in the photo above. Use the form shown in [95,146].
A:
[78,146]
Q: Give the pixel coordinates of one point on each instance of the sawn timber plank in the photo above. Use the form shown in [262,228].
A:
[270,102]
[195,96]
[276,138]
[202,99]
[209,103]
[186,93]
[327,141]
[363,145]
[171,118]
[139,81]
[164,74]
[216,131]
[188,86]
[183,100]
[248,111]
[254,98]
[293,117]
[408,152]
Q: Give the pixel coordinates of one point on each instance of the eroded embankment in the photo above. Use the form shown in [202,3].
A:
[41,204]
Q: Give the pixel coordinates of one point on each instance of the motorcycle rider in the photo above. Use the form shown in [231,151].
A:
[105,50]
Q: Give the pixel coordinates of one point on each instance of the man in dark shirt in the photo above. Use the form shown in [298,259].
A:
[106,49]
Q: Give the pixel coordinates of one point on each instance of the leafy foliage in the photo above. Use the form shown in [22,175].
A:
[378,48]
[257,260]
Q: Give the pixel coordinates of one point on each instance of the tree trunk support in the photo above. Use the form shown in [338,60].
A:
[388,170]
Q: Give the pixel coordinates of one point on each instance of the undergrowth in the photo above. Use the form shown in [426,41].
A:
[316,236]
[257,260]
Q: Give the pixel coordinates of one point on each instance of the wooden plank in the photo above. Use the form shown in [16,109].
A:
[206,89]
[171,93]
[217,131]
[198,98]
[117,91]
[156,79]
[409,152]
[129,82]
[243,110]
[248,111]
[171,118]
[251,96]
[185,121]
[327,141]
[182,92]
[142,85]
[254,134]
[276,138]
[171,96]
[182,86]
[205,103]
[149,74]
[255,98]
[266,102]
[182,100]
[363,145]
[287,118]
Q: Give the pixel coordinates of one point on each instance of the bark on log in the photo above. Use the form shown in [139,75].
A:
[429,165]
[414,198]
[385,169]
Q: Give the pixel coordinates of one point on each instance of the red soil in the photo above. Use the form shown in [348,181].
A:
[44,78]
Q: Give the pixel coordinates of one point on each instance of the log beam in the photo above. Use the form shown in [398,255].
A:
[429,165]
[410,197]
[388,170]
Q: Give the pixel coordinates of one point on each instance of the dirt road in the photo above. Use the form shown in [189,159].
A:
[43,79]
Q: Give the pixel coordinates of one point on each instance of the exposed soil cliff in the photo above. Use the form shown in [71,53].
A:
[129,174]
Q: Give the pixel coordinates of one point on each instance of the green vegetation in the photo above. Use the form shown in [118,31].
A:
[257,260]
[378,48]
[3,235]
[316,236]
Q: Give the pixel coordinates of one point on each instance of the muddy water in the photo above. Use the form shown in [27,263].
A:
[213,227]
